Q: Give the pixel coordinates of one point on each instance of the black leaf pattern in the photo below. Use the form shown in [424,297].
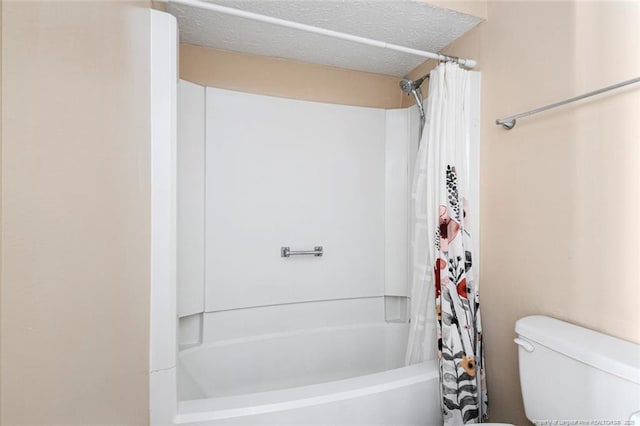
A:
[465,376]
[447,356]
[450,404]
[452,190]
[467,261]
[468,388]
[470,414]
[449,376]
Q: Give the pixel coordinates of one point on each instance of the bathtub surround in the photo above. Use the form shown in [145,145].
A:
[352,199]
[164,218]
[191,166]
[303,174]
[234,289]
[260,216]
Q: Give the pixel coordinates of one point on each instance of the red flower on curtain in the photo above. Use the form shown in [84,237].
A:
[462,288]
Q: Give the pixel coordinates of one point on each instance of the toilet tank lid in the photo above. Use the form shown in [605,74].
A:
[610,354]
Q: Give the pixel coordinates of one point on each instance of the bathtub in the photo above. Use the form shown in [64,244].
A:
[334,375]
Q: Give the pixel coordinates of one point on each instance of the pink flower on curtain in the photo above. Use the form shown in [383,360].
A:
[449,228]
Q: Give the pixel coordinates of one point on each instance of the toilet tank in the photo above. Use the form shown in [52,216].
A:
[569,372]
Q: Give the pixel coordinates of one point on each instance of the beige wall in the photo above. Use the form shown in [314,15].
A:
[470,7]
[75,213]
[559,193]
[289,79]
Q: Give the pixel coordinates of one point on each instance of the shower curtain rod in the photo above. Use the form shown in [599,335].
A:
[510,122]
[469,63]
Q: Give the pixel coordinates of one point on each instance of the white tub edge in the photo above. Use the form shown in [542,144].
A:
[267,402]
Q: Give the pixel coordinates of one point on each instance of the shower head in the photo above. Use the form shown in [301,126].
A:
[407,85]
[411,87]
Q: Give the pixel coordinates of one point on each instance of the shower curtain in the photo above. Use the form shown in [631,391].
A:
[444,295]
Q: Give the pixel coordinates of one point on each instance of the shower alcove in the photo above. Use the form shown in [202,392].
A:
[239,333]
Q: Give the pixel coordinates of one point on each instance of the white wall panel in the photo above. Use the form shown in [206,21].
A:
[164,69]
[241,323]
[414,126]
[191,182]
[413,129]
[283,172]
[397,202]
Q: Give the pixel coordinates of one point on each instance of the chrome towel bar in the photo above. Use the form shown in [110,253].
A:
[286,252]
[510,122]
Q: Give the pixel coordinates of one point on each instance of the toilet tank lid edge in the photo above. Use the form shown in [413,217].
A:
[610,354]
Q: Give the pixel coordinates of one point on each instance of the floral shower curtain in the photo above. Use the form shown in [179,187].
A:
[444,295]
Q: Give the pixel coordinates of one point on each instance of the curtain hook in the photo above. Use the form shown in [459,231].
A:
[447,58]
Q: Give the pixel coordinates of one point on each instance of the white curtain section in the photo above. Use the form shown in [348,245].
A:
[422,328]
[444,297]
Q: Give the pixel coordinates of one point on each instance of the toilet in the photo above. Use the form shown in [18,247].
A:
[572,373]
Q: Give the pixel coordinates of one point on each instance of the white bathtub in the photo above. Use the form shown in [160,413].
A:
[337,375]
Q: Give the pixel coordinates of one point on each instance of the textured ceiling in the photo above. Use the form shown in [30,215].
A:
[409,23]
